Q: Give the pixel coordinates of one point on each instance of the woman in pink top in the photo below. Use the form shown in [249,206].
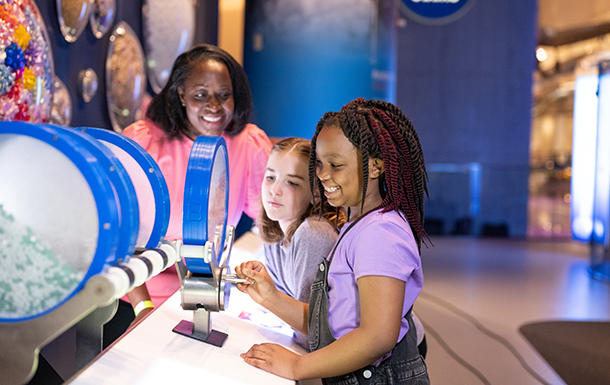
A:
[207,94]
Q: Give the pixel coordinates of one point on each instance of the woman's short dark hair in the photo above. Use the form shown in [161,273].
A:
[166,110]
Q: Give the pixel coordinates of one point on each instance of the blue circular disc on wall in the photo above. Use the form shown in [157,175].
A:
[148,181]
[206,198]
[59,218]
[435,12]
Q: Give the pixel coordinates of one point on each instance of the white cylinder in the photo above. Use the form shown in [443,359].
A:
[170,250]
[140,271]
[119,279]
[155,259]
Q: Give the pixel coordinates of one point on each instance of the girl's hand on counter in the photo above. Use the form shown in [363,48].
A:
[274,359]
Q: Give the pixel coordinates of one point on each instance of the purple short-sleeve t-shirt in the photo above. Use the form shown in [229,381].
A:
[379,244]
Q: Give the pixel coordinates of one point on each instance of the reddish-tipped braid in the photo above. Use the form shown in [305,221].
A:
[401,170]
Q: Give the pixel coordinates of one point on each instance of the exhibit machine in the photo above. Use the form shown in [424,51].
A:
[83,218]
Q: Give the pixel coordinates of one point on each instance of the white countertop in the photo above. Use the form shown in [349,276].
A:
[151,353]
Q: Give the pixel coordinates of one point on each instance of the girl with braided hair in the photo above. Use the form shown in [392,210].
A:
[368,160]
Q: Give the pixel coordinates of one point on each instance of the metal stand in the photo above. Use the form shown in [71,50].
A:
[203,293]
[20,342]
[79,345]
[200,329]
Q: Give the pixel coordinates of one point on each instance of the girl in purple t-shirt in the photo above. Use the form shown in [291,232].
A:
[368,160]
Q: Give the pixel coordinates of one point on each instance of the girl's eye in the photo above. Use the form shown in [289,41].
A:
[293,184]
[335,165]
[270,178]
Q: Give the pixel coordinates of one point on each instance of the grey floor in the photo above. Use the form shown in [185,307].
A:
[478,292]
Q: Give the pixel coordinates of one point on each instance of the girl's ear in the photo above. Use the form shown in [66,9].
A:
[376,168]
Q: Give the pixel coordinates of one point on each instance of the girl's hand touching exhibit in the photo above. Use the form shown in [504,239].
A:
[274,359]
[261,287]
[263,291]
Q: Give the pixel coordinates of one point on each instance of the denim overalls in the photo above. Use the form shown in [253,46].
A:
[405,366]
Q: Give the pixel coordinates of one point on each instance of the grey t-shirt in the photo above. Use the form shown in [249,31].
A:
[293,268]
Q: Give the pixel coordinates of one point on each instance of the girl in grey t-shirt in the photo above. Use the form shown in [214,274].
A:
[296,240]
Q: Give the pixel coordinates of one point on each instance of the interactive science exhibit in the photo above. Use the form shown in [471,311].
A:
[83,216]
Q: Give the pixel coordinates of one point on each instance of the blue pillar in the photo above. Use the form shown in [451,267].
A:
[304,58]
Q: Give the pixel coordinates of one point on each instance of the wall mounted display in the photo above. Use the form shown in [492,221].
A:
[61,110]
[87,84]
[26,63]
[125,76]
[102,16]
[169,28]
[73,16]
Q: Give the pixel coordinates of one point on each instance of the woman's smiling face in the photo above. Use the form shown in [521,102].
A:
[207,97]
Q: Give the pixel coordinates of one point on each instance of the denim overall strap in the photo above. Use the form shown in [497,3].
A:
[319,332]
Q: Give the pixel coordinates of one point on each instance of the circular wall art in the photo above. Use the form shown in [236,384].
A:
[169,28]
[61,111]
[87,84]
[125,76]
[102,16]
[73,16]
[26,63]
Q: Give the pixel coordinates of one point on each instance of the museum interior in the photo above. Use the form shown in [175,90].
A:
[511,103]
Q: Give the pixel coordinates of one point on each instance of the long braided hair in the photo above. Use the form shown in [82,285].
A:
[379,129]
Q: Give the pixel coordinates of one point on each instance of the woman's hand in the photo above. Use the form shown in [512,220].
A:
[274,359]
[261,289]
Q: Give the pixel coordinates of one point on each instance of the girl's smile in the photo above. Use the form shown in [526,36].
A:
[329,191]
